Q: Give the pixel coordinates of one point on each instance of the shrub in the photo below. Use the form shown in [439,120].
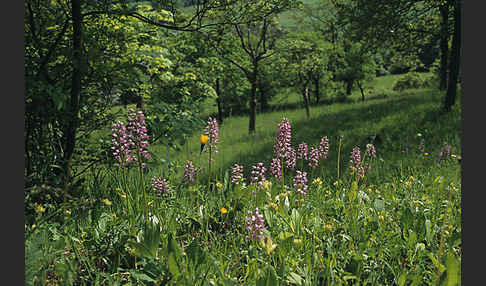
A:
[408,81]
[398,68]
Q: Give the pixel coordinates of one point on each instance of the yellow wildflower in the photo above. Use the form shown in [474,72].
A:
[107,202]
[266,185]
[224,210]
[268,245]
[282,195]
[204,139]
[273,206]
[426,154]
[317,181]
[329,227]
[39,209]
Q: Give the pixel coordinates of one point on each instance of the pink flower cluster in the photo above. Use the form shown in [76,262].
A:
[255,225]
[237,174]
[211,130]
[257,175]
[130,142]
[314,157]
[122,144]
[300,183]
[355,161]
[370,151]
[189,172]
[160,186]
[315,153]
[324,147]
[290,158]
[276,168]
[283,139]
[302,151]
[283,152]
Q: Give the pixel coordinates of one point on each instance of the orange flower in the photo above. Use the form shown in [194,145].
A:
[204,139]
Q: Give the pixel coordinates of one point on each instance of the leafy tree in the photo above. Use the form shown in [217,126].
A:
[347,62]
[306,62]
[256,40]
[234,89]
[272,79]
[81,56]
[359,67]
[402,24]
[74,74]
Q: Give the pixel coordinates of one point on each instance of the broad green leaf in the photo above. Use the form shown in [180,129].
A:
[268,216]
[416,279]
[436,263]
[269,278]
[141,276]
[453,277]
[173,247]
[173,266]
[353,192]
[195,254]
[402,279]
[412,239]
[295,278]
[428,232]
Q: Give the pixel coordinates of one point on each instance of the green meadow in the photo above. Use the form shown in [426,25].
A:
[399,224]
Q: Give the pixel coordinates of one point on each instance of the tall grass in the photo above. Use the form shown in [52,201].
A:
[393,123]
[400,224]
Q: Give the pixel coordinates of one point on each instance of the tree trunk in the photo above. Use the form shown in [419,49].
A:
[73,107]
[139,102]
[218,100]
[349,87]
[253,104]
[317,90]
[455,59]
[444,45]
[361,89]
[305,95]
[263,99]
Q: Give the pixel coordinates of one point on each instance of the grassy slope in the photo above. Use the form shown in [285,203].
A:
[397,119]
[412,189]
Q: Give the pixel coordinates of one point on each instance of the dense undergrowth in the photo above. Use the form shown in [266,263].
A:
[398,224]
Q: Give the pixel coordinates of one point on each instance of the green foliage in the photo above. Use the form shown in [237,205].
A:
[306,58]
[170,124]
[412,80]
[359,65]
[399,225]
